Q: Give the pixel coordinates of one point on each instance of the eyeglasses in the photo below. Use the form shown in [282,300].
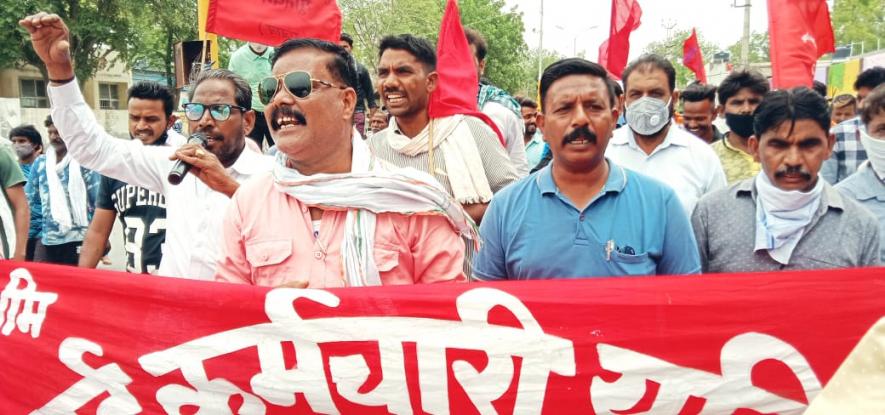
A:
[299,84]
[219,112]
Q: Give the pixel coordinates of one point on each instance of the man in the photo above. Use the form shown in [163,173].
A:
[583,215]
[252,62]
[786,217]
[331,214]
[218,108]
[65,196]
[14,211]
[28,145]
[533,139]
[843,108]
[463,153]
[365,94]
[142,212]
[820,88]
[848,153]
[867,185]
[652,145]
[699,111]
[499,106]
[379,121]
[739,95]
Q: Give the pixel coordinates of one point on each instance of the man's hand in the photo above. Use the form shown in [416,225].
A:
[207,168]
[52,42]
[293,284]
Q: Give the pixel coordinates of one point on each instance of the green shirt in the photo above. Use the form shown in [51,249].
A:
[737,164]
[10,175]
[253,68]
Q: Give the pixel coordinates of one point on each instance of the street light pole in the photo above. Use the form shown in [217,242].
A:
[541,43]
[745,40]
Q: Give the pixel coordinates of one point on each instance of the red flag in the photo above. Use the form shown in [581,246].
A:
[693,58]
[614,51]
[801,32]
[274,22]
[458,84]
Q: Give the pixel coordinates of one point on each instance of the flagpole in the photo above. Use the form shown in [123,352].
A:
[540,54]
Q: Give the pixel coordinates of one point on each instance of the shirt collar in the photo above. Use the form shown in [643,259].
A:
[538,138]
[249,162]
[830,197]
[265,55]
[869,186]
[616,181]
[673,137]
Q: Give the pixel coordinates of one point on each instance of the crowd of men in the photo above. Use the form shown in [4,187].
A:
[596,179]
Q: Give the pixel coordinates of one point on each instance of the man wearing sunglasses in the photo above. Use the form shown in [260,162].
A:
[331,214]
[219,108]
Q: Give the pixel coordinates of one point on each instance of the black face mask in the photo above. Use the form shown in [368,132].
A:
[741,124]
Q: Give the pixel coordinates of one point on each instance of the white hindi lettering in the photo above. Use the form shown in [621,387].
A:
[541,354]
[723,394]
[18,304]
[108,378]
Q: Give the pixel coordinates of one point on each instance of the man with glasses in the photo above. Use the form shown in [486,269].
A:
[331,214]
[219,109]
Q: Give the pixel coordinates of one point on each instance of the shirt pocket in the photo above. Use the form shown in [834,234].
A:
[386,258]
[637,264]
[266,257]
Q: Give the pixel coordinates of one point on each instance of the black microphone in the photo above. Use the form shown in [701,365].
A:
[180,169]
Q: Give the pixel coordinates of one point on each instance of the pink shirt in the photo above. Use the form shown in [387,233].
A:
[268,240]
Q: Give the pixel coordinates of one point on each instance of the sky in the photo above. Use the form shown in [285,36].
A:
[568,20]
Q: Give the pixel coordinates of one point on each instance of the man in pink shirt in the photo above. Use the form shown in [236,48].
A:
[331,214]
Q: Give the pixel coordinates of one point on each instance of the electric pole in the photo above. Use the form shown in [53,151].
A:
[745,41]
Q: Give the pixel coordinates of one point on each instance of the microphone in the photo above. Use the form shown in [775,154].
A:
[180,168]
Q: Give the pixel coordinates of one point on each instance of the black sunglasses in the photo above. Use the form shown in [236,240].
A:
[219,112]
[299,84]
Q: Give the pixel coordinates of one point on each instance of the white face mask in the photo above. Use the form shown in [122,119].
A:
[647,115]
[257,47]
[875,148]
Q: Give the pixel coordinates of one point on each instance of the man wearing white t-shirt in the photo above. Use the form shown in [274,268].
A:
[652,145]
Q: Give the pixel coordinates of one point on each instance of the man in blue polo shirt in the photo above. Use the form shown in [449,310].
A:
[583,216]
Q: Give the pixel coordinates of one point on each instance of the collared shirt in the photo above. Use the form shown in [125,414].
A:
[253,68]
[50,232]
[534,149]
[269,240]
[634,226]
[194,212]
[868,189]
[682,161]
[848,154]
[512,128]
[842,234]
[717,135]
[738,165]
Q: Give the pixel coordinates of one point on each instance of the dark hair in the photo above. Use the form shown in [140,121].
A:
[48,123]
[420,48]
[347,38]
[242,91]
[617,87]
[820,88]
[574,66]
[153,91]
[526,102]
[738,80]
[649,62]
[698,92]
[870,78]
[28,131]
[790,105]
[478,41]
[341,65]
[873,104]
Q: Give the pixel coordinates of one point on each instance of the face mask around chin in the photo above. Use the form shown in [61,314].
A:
[741,124]
[24,151]
[647,115]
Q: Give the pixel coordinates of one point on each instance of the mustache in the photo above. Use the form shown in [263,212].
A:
[286,112]
[580,132]
[792,170]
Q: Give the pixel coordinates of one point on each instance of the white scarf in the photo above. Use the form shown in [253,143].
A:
[875,148]
[58,201]
[781,217]
[463,164]
[370,188]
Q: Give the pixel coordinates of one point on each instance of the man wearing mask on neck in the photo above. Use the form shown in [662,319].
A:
[252,62]
[867,185]
[652,145]
[786,217]
[739,95]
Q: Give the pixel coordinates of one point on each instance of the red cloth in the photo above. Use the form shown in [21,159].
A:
[800,33]
[614,51]
[693,58]
[458,86]
[272,23]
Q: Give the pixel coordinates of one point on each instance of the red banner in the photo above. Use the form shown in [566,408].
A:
[86,341]
[272,22]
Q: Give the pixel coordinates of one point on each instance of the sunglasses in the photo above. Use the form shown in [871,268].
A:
[219,112]
[298,83]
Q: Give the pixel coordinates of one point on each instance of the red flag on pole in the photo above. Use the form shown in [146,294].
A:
[458,84]
[614,51]
[274,22]
[800,32]
[693,58]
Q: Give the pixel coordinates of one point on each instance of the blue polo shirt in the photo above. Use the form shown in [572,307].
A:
[634,226]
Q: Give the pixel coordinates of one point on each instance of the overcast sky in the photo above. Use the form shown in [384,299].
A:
[716,21]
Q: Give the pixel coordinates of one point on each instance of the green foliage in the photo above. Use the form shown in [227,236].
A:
[157,26]
[758,49]
[856,21]
[671,49]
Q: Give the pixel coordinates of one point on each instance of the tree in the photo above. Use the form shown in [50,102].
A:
[671,49]
[158,26]
[758,49]
[856,21]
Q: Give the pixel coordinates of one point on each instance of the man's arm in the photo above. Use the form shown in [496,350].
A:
[19,203]
[512,127]
[368,90]
[489,263]
[699,225]
[476,211]
[497,165]
[680,251]
[35,204]
[96,237]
